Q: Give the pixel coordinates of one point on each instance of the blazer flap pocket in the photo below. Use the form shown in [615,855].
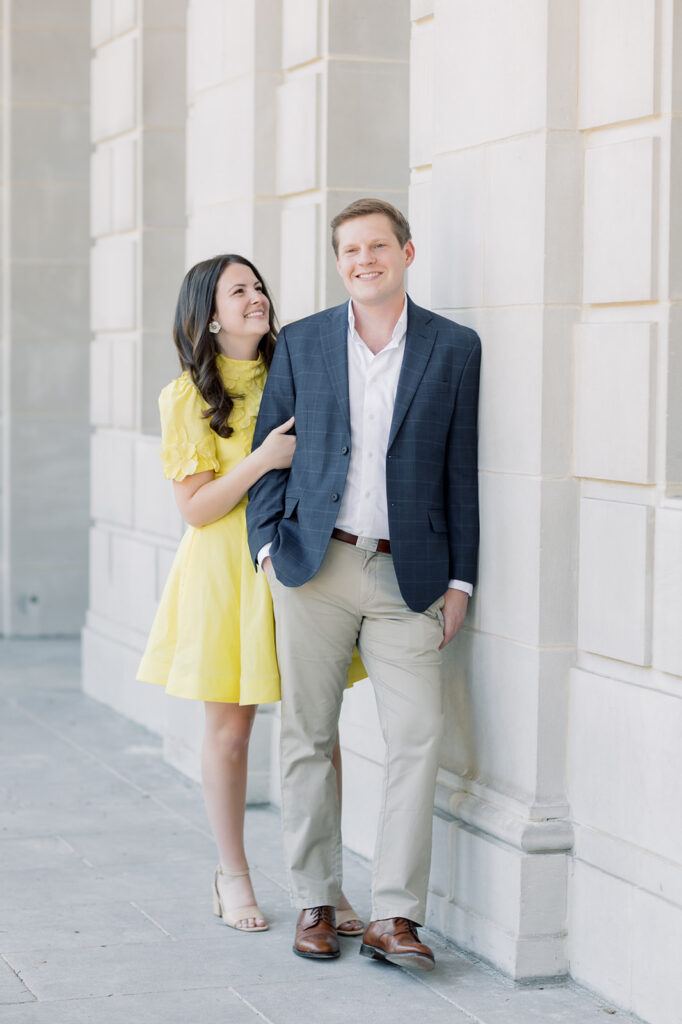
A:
[437,520]
[290,504]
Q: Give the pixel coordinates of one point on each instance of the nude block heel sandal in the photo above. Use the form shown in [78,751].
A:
[232,916]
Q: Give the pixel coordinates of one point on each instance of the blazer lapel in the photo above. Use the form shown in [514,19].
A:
[419,342]
[334,343]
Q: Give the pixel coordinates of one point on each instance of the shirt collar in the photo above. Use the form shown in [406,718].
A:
[399,331]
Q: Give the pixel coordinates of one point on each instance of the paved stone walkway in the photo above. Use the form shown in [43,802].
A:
[105,914]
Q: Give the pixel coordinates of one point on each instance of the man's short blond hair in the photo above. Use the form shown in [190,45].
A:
[364,207]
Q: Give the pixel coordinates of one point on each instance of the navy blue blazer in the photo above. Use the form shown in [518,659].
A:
[431,462]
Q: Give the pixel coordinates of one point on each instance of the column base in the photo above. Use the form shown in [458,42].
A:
[499,886]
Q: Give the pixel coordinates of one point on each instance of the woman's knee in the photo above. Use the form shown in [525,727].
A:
[230,731]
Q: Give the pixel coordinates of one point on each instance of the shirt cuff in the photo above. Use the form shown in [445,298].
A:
[263,554]
[468,588]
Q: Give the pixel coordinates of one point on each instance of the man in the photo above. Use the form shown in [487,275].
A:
[370,537]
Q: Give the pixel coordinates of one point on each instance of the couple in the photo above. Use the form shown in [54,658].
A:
[366,527]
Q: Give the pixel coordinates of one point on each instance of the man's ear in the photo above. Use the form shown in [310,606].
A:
[409,253]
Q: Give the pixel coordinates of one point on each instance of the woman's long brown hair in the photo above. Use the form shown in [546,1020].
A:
[198,348]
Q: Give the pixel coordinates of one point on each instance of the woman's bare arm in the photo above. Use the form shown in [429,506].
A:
[203,498]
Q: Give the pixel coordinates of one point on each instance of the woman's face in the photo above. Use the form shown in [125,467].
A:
[241,308]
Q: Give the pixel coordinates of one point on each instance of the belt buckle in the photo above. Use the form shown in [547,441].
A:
[367,543]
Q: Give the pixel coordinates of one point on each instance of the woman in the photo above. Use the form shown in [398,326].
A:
[213,635]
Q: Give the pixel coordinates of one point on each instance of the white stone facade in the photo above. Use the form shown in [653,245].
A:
[537,148]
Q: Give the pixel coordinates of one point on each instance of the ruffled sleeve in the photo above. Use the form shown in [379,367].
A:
[188,443]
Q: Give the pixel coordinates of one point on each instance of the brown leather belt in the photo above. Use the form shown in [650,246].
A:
[365,543]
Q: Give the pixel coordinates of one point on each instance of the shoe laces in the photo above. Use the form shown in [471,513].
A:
[322,914]
[404,924]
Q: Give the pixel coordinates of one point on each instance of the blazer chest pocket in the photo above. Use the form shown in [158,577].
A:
[437,520]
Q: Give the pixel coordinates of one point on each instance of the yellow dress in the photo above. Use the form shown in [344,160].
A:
[213,634]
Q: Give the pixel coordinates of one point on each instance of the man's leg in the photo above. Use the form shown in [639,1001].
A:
[317,626]
[400,650]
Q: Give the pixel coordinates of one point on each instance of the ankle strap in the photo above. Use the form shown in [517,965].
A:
[231,874]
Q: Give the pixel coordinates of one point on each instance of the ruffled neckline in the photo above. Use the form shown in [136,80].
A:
[242,370]
[244,380]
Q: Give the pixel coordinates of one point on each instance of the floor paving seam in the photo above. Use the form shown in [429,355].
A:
[446,999]
[150,918]
[17,975]
[271,878]
[78,747]
[249,1005]
[147,794]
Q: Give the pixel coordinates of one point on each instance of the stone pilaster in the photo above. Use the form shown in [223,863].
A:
[44,351]
[137,263]
[625,713]
[495,200]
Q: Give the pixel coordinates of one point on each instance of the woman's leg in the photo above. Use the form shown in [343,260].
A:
[343,904]
[223,768]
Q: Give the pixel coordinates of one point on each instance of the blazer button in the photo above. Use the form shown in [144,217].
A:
[344,450]
[335,496]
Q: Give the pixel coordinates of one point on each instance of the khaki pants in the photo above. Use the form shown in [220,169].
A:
[354,597]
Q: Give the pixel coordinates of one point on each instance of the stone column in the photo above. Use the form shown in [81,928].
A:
[625,757]
[44,353]
[495,208]
[137,263]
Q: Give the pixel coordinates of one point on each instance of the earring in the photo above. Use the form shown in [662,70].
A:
[214,327]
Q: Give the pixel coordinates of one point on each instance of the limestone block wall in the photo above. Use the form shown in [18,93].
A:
[137,263]
[44,349]
[341,130]
[233,65]
[495,201]
[625,710]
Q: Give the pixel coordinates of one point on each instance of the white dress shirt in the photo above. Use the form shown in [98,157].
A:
[372,387]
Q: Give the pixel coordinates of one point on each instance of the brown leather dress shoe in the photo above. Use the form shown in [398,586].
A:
[396,940]
[316,936]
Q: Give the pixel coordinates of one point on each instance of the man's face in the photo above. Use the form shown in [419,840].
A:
[371,261]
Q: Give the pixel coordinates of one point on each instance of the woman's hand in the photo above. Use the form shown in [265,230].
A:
[278,447]
[205,498]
